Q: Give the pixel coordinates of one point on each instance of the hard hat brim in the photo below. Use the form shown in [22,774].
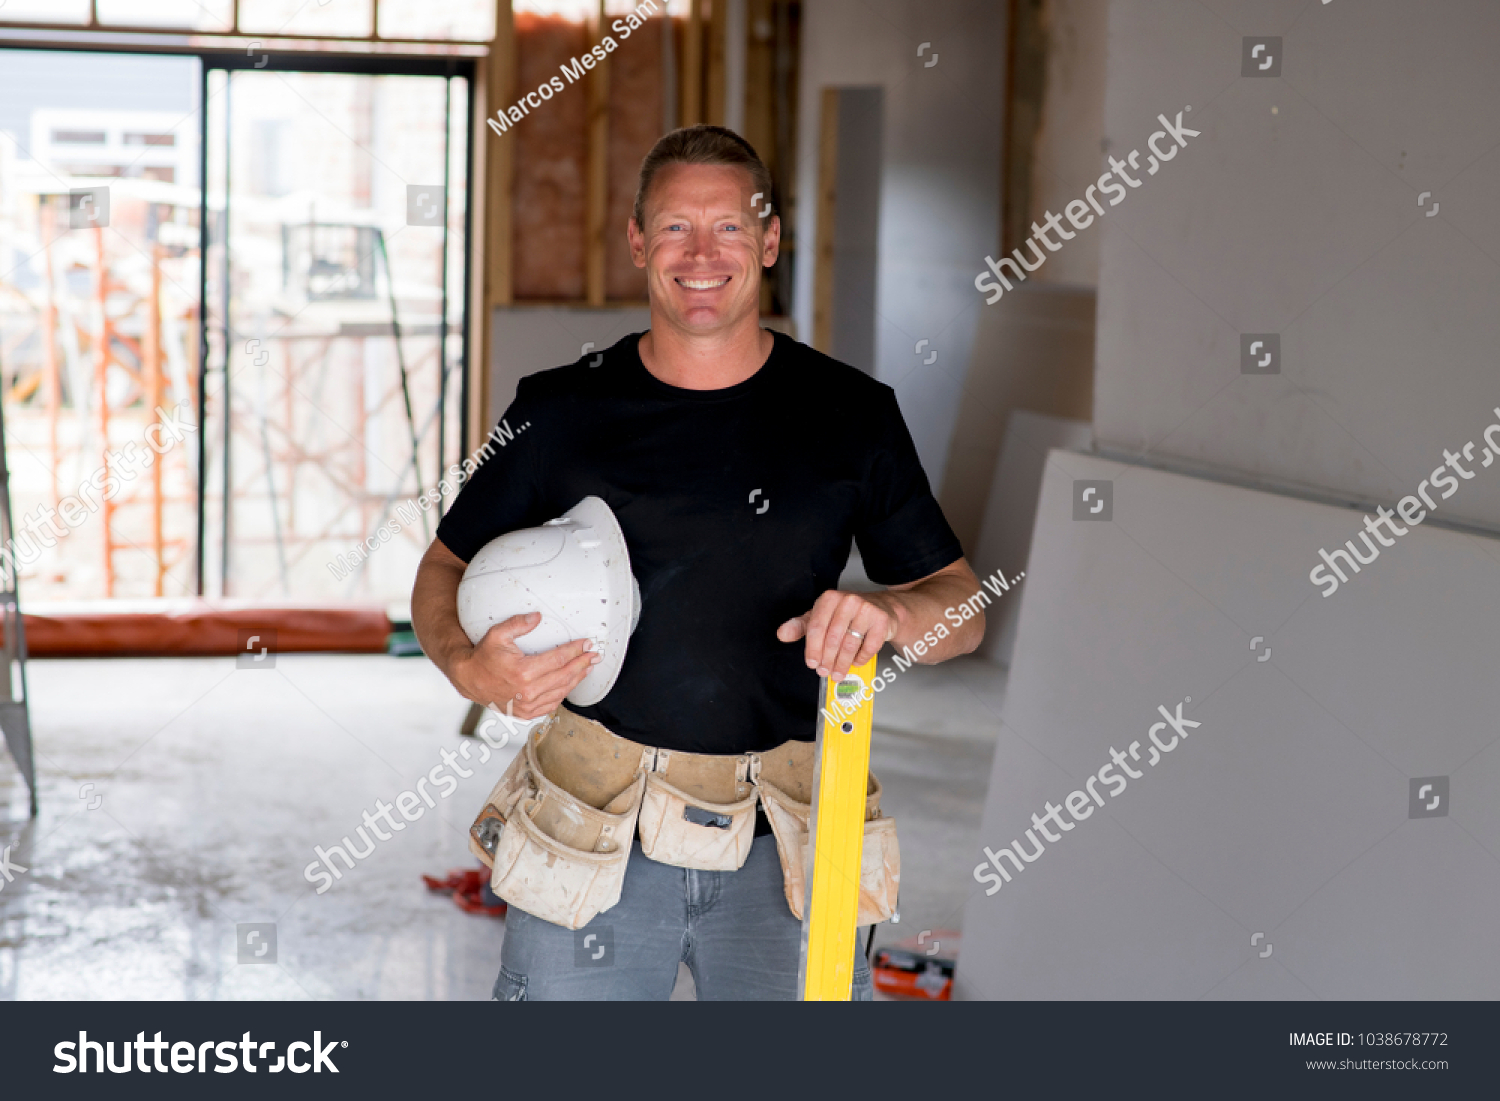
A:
[621,596]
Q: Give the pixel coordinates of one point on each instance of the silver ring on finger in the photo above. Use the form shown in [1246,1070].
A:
[856,634]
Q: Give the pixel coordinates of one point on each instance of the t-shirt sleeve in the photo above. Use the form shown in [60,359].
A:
[902,534]
[502,492]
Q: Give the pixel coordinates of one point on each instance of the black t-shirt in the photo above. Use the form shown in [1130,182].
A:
[720,565]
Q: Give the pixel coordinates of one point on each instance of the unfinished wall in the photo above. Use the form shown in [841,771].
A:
[1004,543]
[529,339]
[1035,351]
[940,179]
[635,122]
[567,212]
[551,156]
[1068,151]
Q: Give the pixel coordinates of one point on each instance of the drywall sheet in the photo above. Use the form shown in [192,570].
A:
[1010,514]
[1331,829]
[1336,211]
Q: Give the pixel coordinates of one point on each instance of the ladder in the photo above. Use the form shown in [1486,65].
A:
[15,719]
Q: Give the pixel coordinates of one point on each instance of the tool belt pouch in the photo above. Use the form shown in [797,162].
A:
[688,826]
[484,834]
[555,856]
[880,855]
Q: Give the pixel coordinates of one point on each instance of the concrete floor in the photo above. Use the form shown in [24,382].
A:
[182,797]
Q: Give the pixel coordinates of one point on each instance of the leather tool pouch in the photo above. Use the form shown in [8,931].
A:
[785,785]
[552,853]
[556,830]
[697,812]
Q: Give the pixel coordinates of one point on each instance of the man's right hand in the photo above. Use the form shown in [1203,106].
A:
[497,672]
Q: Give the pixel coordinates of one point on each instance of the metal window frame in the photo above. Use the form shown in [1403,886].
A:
[93,25]
[231,58]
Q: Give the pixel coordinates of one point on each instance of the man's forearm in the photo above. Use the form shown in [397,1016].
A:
[434,609]
[495,672]
[923,607]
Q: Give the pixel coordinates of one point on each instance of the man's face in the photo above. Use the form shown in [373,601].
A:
[703,247]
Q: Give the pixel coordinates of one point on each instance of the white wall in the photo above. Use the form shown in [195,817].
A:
[940,207]
[1004,542]
[1296,212]
[528,339]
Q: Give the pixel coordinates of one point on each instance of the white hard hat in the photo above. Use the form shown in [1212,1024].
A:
[575,570]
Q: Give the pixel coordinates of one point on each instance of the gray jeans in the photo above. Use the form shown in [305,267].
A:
[733,930]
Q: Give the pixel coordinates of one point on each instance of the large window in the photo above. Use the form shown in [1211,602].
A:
[409,20]
[320,350]
[99,265]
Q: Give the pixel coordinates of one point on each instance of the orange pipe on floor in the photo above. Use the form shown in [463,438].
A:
[198,628]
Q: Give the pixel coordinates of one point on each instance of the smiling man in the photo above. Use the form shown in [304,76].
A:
[741,465]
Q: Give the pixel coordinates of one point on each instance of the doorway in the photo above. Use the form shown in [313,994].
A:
[334,323]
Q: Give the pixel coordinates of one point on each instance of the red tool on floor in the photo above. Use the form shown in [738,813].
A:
[470,890]
[919,967]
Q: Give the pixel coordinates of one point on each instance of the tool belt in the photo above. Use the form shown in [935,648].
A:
[557,829]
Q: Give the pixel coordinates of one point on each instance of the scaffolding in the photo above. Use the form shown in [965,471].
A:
[309,330]
[341,418]
[91,350]
[335,408]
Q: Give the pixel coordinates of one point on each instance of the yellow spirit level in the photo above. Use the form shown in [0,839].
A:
[840,785]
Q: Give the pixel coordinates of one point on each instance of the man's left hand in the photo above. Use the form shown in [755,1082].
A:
[843,630]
